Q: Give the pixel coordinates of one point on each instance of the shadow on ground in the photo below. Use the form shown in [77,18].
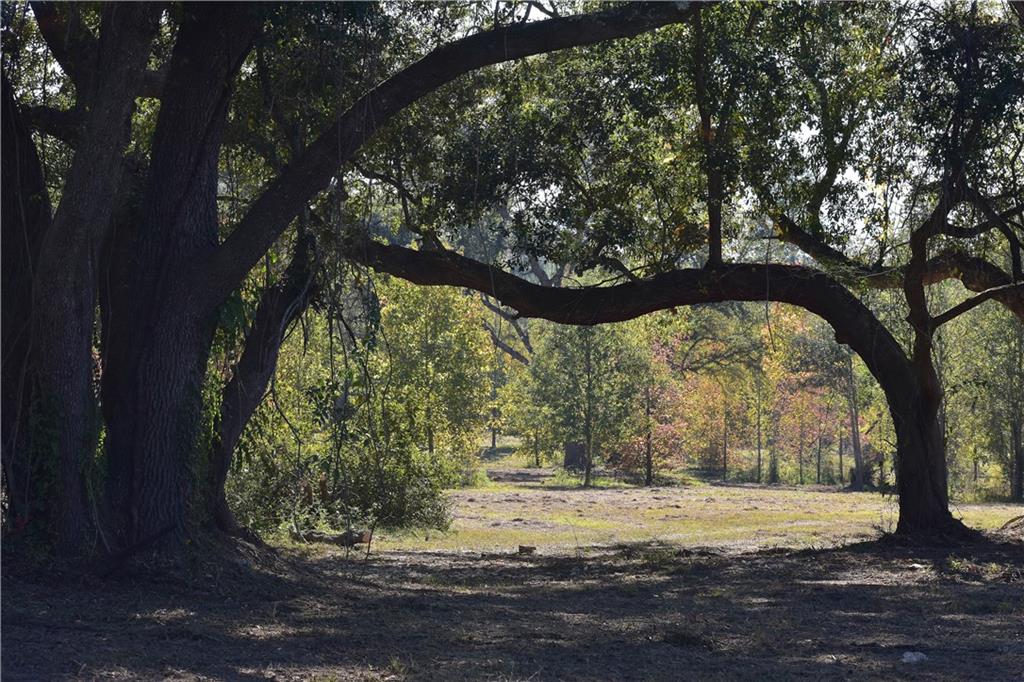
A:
[640,612]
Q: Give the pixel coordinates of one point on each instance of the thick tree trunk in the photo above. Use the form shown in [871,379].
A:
[64,280]
[157,332]
[920,470]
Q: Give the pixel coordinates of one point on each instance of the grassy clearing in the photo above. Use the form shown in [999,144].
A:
[555,515]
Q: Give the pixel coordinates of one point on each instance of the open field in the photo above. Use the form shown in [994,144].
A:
[524,507]
[704,582]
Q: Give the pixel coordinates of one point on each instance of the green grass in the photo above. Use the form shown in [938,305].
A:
[559,516]
[565,479]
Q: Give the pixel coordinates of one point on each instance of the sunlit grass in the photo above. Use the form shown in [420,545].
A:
[503,515]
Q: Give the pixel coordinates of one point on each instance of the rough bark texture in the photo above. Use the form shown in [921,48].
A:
[156,336]
[64,281]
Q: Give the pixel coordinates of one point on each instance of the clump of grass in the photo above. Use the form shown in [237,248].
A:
[567,479]
[476,478]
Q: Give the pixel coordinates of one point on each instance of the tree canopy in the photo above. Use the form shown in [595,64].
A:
[181,182]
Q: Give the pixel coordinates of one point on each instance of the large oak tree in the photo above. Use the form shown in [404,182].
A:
[147,251]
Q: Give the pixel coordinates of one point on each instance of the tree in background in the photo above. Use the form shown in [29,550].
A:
[587,377]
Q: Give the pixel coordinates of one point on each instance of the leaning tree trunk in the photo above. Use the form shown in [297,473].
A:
[279,306]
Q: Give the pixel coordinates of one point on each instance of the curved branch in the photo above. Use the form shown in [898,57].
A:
[975,273]
[313,170]
[974,301]
[805,287]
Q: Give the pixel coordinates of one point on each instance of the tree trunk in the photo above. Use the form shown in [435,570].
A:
[648,450]
[280,305]
[64,280]
[157,333]
[758,430]
[725,445]
[842,472]
[920,470]
[817,478]
[26,218]
[588,415]
[800,453]
[858,454]
[1017,441]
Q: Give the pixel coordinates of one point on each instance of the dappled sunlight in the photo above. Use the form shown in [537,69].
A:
[633,610]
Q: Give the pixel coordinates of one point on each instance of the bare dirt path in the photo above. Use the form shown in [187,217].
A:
[643,610]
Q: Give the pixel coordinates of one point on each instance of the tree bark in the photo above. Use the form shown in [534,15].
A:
[26,218]
[156,334]
[64,281]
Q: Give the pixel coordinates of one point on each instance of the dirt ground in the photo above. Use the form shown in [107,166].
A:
[660,601]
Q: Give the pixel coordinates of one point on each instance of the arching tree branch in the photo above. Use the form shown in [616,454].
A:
[806,287]
[271,213]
